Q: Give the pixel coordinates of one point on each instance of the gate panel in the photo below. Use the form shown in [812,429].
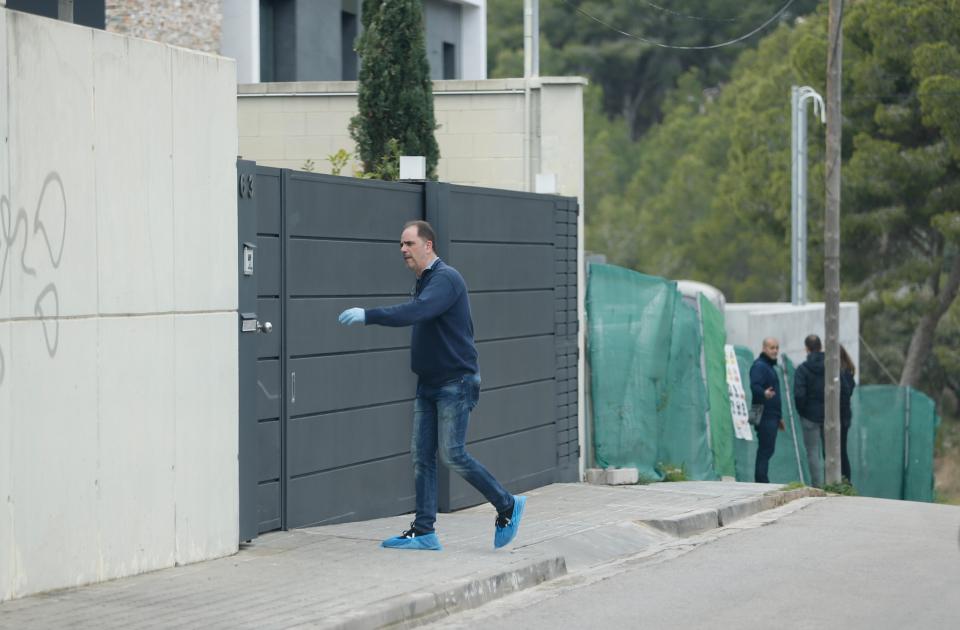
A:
[270,408]
[350,400]
[503,243]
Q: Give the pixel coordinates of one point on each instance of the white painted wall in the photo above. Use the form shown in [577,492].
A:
[473,61]
[240,37]
[749,324]
[118,343]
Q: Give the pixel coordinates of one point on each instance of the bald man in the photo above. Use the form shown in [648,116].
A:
[765,388]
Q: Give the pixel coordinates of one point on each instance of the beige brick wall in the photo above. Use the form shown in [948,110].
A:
[188,23]
[481,129]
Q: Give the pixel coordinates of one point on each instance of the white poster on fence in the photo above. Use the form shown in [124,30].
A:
[738,398]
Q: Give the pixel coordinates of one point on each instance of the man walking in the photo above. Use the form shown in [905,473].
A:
[766,389]
[444,358]
[808,394]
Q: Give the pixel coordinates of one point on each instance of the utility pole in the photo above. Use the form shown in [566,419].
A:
[832,245]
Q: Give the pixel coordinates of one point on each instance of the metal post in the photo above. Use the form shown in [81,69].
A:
[527,74]
[832,244]
[798,188]
[65,10]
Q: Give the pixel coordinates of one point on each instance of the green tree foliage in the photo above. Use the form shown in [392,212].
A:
[395,92]
[635,76]
[710,198]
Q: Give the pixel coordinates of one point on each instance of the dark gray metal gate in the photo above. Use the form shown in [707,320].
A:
[334,405]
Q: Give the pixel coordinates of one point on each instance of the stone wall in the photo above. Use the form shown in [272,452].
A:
[189,23]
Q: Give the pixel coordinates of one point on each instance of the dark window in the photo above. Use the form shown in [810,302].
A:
[449,61]
[348,34]
[85,12]
[267,56]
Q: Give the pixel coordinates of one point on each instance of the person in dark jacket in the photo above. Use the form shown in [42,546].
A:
[847,384]
[765,387]
[808,395]
[444,358]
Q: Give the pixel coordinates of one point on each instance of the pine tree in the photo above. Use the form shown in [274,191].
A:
[395,92]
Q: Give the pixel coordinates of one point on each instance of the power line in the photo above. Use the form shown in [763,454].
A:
[653,43]
[690,17]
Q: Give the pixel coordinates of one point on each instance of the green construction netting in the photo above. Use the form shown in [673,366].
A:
[651,397]
[683,436]
[629,337]
[721,421]
[745,452]
[648,397]
[890,443]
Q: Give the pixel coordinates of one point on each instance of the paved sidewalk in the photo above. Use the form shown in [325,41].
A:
[337,576]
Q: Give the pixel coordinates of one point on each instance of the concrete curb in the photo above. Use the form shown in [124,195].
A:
[453,597]
[699,521]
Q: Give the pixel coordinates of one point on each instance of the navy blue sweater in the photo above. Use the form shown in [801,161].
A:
[762,376]
[441,345]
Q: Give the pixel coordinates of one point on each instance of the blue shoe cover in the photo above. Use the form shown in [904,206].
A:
[506,529]
[426,542]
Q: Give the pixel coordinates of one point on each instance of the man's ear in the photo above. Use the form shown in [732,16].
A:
[429,245]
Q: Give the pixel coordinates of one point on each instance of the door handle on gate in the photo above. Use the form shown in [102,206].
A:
[264,327]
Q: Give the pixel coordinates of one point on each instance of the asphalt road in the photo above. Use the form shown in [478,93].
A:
[857,562]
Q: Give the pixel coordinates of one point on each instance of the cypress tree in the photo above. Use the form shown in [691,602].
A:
[395,93]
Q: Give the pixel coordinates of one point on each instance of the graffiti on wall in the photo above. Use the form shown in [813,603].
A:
[20,242]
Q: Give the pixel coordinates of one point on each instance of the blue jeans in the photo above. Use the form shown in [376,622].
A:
[441,414]
[766,446]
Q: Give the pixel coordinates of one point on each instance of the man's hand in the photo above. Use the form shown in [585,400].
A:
[352,316]
[768,393]
[783,427]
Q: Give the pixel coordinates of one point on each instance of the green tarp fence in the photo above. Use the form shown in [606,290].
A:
[891,442]
[721,419]
[659,397]
[648,395]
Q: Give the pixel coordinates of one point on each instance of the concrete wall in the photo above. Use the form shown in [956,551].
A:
[481,132]
[118,294]
[748,325]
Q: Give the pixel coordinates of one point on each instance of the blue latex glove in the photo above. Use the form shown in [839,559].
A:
[352,316]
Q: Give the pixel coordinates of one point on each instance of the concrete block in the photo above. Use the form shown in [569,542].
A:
[283,123]
[686,524]
[328,123]
[248,119]
[261,148]
[342,103]
[595,476]
[134,208]
[456,145]
[136,444]
[300,148]
[206,409]
[51,146]
[204,181]
[304,103]
[622,476]
[499,145]
[444,102]
[55,493]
